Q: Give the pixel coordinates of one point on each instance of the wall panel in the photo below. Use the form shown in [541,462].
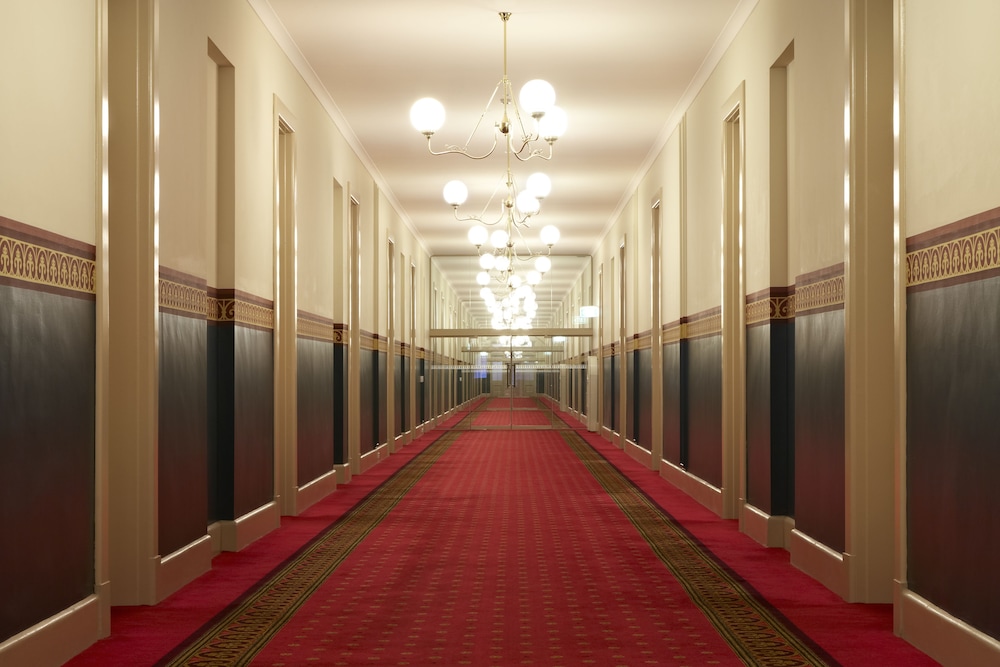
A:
[47,379]
[953,392]
[819,427]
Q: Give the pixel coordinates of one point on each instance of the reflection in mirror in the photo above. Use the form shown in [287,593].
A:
[550,300]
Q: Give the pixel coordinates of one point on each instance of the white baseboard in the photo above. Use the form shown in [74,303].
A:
[250,527]
[703,492]
[343,472]
[765,529]
[820,562]
[315,491]
[940,635]
[374,457]
[639,454]
[183,566]
[56,639]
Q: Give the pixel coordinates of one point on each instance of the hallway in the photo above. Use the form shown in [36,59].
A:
[541,547]
[234,299]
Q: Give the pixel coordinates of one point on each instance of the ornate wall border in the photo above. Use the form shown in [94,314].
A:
[703,324]
[770,304]
[960,252]
[820,291]
[182,294]
[315,327]
[230,305]
[37,259]
[639,341]
[373,341]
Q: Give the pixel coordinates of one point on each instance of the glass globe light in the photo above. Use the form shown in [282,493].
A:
[502,263]
[537,97]
[534,277]
[483,278]
[522,291]
[427,115]
[543,264]
[514,281]
[478,235]
[527,203]
[455,193]
[550,235]
[499,239]
[487,261]
[539,185]
[553,124]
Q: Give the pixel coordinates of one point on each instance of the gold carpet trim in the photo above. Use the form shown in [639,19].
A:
[754,633]
[240,634]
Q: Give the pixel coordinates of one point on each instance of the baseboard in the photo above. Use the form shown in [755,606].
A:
[639,454]
[374,457]
[765,529]
[703,492]
[215,534]
[940,635]
[820,562]
[250,527]
[315,491]
[183,566]
[343,472]
[56,639]
[612,436]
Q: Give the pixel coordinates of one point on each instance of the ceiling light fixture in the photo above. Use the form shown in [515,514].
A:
[521,142]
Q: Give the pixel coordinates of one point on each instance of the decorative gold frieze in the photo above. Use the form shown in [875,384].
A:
[771,308]
[221,310]
[31,263]
[674,333]
[643,341]
[239,311]
[955,258]
[316,329]
[253,314]
[822,294]
[705,326]
[183,298]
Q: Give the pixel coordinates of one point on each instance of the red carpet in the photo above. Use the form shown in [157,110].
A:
[506,549]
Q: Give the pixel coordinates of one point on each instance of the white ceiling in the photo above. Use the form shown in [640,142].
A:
[623,71]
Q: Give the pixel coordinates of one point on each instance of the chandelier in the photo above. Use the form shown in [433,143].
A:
[525,131]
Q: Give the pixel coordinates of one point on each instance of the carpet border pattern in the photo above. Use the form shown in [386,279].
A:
[757,633]
[242,630]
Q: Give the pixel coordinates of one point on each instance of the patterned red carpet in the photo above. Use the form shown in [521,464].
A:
[501,548]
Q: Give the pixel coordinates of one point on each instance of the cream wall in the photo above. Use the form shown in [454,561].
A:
[48,116]
[266,85]
[952,102]
[688,171]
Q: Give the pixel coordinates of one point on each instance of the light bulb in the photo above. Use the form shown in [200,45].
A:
[527,203]
[427,115]
[502,263]
[534,277]
[514,281]
[455,193]
[550,235]
[487,261]
[499,238]
[539,185]
[537,97]
[543,264]
[478,235]
[553,124]
[483,278]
